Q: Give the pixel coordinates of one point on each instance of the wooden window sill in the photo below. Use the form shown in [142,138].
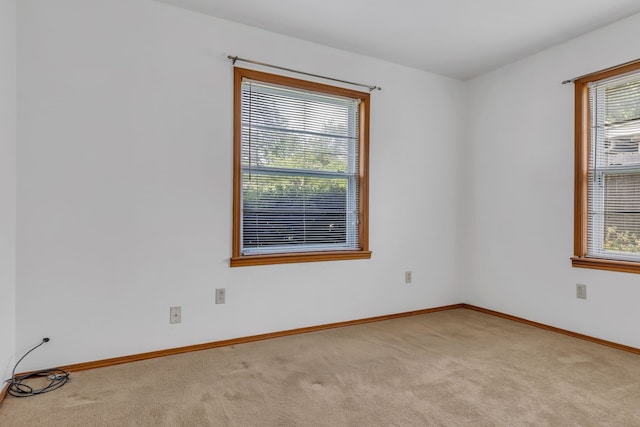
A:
[296,257]
[606,264]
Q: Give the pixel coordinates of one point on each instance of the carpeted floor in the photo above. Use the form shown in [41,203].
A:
[450,368]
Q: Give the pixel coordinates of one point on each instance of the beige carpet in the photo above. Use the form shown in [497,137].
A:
[452,368]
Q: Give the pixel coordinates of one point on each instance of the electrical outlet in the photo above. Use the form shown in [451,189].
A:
[581,291]
[221,295]
[407,277]
[175,314]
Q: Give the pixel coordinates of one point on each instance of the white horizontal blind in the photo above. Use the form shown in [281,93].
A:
[299,170]
[614,168]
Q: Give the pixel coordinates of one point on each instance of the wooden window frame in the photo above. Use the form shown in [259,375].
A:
[582,144]
[237,258]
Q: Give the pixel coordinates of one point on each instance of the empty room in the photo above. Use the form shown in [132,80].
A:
[334,213]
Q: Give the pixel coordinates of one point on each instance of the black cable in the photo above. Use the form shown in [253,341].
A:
[17,388]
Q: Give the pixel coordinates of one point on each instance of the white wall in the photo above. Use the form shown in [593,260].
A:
[520,211]
[124,185]
[7,185]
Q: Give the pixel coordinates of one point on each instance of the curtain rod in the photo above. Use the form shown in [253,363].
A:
[600,71]
[236,58]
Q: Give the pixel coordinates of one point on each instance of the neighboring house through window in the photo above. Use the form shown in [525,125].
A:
[607,213]
[300,171]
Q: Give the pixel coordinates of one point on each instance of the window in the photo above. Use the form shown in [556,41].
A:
[607,206]
[300,171]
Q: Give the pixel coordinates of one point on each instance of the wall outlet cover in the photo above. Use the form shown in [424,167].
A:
[175,314]
[221,295]
[581,291]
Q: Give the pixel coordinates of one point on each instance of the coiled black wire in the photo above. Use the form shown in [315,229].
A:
[17,387]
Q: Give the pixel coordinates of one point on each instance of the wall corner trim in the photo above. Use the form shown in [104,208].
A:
[3,393]
[215,344]
[611,344]
[234,341]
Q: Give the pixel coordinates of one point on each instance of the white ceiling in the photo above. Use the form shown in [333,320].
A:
[457,38]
